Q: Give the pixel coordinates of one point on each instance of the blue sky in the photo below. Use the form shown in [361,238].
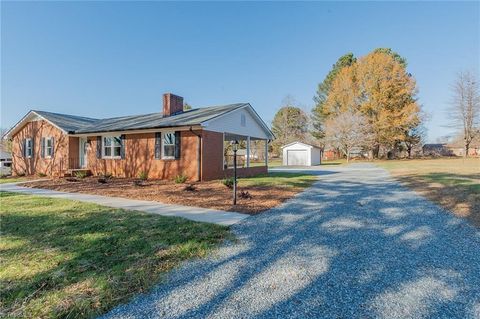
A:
[109,59]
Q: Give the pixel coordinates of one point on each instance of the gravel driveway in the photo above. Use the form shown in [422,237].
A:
[355,245]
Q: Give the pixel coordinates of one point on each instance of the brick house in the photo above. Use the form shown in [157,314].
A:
[194,143]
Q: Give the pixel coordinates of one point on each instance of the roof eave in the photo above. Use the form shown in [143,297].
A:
[9,134]
[139,130]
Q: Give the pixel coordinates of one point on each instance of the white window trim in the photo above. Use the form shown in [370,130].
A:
[174,142]
[111,147]
[28,148]
[46,147]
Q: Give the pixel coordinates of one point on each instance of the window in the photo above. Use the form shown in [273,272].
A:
[168,145]
[112,146]
[243,120]
[28,147]
[48,146]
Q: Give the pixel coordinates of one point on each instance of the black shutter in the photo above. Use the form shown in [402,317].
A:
[43,147]
[158,145]
[24,148]
[53,146]
[122,149]
[99,147]
[177,144]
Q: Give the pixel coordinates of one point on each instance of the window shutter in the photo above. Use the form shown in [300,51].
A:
[177,144]
[24,148]
[43,147]
[33,147]
[53,146]
[99,147]
[158,145]
[122,149]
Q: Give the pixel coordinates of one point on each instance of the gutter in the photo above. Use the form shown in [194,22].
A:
[199,154]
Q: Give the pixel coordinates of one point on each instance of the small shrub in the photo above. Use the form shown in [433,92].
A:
[21,174]
[41,174]
[245,195]
[71,179]
[228,182]
[190,188]
[107,175]
[80,174]
[102,180]
[180,179]
[143,175]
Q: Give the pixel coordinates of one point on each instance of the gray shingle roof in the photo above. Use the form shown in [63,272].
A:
[67,122]
[78,124]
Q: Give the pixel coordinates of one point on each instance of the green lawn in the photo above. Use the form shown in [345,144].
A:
[67,259]
[12,180]
[451,182]
[279,179]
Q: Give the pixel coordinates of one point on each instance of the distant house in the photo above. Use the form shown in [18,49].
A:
[438,149]
[450,149]
[459,150]
[162,145]
[301,154]
[5,160]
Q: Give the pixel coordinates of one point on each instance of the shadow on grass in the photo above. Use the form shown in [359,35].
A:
[460,193]
[283,179]
[68,259]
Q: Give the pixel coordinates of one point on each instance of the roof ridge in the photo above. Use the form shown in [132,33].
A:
[64,114]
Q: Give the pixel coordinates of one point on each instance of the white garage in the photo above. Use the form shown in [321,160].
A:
[300,154]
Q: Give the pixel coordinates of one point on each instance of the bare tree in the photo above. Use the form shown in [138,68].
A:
[348,130]
[465,108]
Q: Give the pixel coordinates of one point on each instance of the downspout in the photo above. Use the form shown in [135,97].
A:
[199,154]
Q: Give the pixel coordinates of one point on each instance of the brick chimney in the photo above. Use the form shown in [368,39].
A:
[172,104]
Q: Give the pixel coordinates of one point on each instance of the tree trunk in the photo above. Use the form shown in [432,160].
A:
[467,148]
[376,150]
[409,150]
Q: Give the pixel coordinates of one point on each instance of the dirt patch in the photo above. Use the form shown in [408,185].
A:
[211,194]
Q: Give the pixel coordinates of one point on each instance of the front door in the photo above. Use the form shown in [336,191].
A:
[83,152]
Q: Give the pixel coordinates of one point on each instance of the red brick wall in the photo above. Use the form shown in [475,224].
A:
[54,166]
[140,157]
[212,155]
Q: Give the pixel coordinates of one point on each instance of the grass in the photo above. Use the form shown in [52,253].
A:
[335,162]
[279,179]
[5,180]
[67,259]
[452,182]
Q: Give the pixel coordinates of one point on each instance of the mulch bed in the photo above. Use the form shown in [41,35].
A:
[211,194]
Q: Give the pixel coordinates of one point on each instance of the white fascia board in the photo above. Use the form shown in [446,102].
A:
[25,119]
[251,111]
[140,131]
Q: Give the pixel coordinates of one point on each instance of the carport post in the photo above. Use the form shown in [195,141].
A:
[266,152]
[235,148]
[248,151]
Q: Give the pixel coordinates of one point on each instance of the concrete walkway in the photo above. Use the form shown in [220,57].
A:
[193,213]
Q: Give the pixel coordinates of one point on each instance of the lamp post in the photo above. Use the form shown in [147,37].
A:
[235,149]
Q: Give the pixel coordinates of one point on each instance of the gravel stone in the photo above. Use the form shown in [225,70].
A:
[354,245]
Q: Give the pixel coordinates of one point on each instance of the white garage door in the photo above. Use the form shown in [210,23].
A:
[297,157]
